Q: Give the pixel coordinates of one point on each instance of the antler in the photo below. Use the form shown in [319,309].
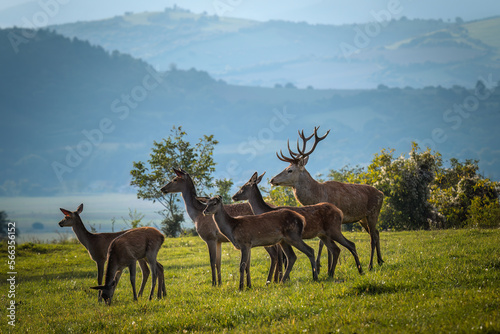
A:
[295,157]
[317,139]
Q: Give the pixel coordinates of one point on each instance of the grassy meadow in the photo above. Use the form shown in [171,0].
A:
[431,282]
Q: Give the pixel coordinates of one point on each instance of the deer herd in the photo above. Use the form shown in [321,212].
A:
[325,207]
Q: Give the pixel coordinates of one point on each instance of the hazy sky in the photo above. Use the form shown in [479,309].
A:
[47,12]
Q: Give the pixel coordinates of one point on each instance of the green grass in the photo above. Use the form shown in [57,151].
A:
[431,282]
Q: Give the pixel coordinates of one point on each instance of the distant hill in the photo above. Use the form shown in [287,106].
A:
[403,52]
[75,117]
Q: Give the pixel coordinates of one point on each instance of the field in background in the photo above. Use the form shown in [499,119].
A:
[432,281]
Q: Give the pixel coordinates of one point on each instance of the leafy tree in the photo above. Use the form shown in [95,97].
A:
[223,187]
[173,152]
[134,219]
[280,196]
[463,196]
[3,224]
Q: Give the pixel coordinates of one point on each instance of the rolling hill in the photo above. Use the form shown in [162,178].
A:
[398,53]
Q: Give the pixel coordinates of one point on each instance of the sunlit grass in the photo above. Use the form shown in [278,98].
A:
[432,281]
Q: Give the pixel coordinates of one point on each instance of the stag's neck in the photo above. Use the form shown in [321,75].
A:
[193,207]
[82,233]
[225,223]
[308,191]
[257,202]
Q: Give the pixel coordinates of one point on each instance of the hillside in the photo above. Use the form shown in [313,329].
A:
[75,117]
[400,53]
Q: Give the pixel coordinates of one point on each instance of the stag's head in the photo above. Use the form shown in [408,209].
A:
[246,190]
[297,160]
[177,183]
[70,216]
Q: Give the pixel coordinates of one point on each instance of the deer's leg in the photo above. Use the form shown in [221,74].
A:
[290,257]
[318,258]
[298,243]
[132,268]
[145,274]
[100,274]
[161,281]
[247,270]
[372,222]
[218,263]
[273,268]
[245,255]
[341,239]
[151,258]
[212,252]
[333,253]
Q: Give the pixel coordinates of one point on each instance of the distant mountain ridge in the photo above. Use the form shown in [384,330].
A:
[75,117]
[399,53]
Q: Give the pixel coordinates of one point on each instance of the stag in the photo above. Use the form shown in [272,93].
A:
[245,232]
[323,220]
[207,229]
[358,202]
[97,245]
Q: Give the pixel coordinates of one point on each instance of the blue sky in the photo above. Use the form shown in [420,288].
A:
[21,12]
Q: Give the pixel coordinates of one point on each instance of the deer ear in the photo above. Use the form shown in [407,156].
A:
[253,179]
[259,178]
[99,287]
[177,172]
[66,212]
[202,200]
[80,208]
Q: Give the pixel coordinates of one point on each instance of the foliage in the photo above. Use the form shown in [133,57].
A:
[223,188]
[3,224]
[280,196]
[430,279]
[460,193]
[134,219]
[421,194]
[173,152]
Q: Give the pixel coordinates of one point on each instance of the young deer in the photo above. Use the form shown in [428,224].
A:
[97,244]
[124,251]
[323,220]
[206,228]
[245,232]
[358,202]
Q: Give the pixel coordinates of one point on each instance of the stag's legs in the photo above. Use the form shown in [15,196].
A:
[369,225]
[318,258]
[145,274]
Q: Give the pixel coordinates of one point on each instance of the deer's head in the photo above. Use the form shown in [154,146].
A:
[212,205]
[107,292]
[246,190]
[177,183]
[70,216]
[298,161]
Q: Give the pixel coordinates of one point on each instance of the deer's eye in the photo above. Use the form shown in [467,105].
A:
[289,171]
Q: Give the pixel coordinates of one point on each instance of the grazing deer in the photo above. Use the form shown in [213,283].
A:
[124,251]
[323,220]
[245,232]
[358,202]
[206,228]
[97,244]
